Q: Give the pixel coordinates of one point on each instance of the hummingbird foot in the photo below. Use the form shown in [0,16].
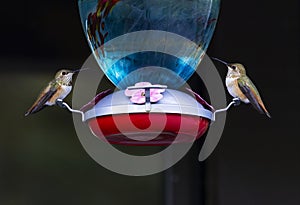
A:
[60,103]
[236,101]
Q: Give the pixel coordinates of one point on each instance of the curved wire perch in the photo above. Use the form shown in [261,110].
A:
[235,102]
[60,103]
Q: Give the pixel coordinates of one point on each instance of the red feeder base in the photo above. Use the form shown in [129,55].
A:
[189,128]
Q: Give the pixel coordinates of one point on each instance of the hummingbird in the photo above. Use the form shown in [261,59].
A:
[58,88]
[240,86]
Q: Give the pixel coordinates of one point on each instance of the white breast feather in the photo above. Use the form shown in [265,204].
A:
[67,90]
[230,86]
[230,83]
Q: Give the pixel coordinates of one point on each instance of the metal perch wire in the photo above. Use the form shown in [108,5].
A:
[235,102]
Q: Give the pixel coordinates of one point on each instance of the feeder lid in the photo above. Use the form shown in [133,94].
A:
[173,102]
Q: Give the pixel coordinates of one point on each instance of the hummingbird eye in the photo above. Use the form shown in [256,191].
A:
[64,73]
[233,67]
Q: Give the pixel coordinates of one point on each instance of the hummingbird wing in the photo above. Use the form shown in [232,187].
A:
[45,95]
[250,91]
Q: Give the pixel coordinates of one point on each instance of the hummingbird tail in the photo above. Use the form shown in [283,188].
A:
[268,114]
[262,109]
[34,110]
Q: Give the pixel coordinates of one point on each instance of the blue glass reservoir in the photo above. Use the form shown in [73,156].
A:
[158,41]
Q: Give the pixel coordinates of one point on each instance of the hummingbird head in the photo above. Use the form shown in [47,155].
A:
[234,69]
[64,76]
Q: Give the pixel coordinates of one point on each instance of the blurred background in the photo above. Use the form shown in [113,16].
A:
[256,162]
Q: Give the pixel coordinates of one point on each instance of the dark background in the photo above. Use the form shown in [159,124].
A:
[256,162]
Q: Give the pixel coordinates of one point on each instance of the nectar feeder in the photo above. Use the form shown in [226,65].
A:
[122,122]
[158,41]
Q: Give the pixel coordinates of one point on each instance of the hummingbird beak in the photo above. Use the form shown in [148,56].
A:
[79,70]
[220,61]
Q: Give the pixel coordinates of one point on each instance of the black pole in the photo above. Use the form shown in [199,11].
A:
[184,183]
